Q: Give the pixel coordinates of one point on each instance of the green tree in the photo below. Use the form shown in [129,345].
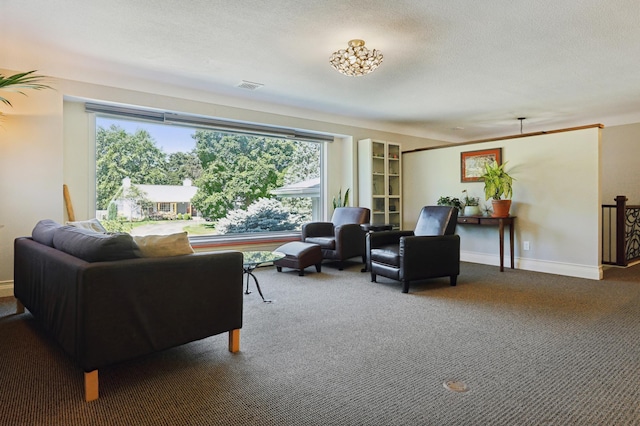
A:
[112,211]
[305,163]
[119,155]
[183,165]
[211,199]
[238,170]
[136,198]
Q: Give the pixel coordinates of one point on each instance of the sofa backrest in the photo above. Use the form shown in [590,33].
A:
[345,215]
[437,220]
[93,246]
[43,231]
[89,241]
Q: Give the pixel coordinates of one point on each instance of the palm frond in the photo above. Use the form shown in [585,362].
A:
[23,80]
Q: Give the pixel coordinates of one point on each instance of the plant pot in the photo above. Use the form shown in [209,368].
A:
[501,208]
[471,211]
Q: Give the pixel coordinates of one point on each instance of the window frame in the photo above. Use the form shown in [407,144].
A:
[213,124]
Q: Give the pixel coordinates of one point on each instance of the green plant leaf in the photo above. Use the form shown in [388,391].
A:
[24,80]
[339,201]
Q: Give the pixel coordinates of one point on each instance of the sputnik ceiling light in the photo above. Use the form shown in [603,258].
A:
[356,60]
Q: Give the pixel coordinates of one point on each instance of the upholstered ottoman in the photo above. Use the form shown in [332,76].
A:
[299,255]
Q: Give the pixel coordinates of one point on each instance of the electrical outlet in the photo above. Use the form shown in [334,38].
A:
[526,245]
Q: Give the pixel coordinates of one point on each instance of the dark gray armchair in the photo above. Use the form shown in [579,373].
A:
[432,250]
[343,237]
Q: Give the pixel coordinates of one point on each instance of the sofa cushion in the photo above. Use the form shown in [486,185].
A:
[91,224]
[163,245]
[93,246]
[387,254]
[43,231]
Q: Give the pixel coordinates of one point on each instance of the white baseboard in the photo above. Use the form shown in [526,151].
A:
[548,267]
[6,288]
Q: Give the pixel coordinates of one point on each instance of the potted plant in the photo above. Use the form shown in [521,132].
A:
[450,201]
[471,204]
[23,80]
[341,202]
[498,188]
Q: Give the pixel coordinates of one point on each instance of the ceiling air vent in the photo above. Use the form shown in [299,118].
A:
[249,85]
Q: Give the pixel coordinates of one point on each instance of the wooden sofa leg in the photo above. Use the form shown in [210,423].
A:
[19,307]
[454,280]
[91,385]
[234,340]
[405,286]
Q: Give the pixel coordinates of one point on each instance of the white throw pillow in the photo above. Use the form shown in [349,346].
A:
[91,225]
[163,245]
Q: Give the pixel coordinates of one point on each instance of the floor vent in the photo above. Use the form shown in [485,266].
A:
[455,386]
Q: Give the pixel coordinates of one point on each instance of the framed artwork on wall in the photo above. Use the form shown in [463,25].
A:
[472,163]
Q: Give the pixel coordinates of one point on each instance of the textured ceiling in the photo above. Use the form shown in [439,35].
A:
[453,70]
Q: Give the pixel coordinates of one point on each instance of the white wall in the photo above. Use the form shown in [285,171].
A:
[30,170]
[620,153]
[45,142]
[341,156]
[556,198]
[79,159]
[43,146]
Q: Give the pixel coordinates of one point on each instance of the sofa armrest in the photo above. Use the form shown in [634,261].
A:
[425,256]
[44,281]
[350,240]
[382,238]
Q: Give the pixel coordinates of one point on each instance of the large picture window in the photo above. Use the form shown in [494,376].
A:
[158,178]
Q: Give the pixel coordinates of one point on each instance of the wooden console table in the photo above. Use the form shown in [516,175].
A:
[493,221]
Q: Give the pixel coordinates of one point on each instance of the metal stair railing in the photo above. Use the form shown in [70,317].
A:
[620,232]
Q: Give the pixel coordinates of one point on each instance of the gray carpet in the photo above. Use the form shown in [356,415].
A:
[335,349]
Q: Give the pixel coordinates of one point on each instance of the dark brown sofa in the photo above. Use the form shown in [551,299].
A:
[104,312]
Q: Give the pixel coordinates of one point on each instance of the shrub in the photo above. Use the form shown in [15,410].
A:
[112,211]
[162,216]
[261,216]
[117,225]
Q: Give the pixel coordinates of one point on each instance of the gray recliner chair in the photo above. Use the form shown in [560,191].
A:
[432,250]
[343,237]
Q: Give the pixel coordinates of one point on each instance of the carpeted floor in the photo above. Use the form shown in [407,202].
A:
[335,349]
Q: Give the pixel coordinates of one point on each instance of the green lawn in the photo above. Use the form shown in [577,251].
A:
[200,229]
[192,228]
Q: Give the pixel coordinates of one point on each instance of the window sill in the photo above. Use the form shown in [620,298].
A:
[249,241]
